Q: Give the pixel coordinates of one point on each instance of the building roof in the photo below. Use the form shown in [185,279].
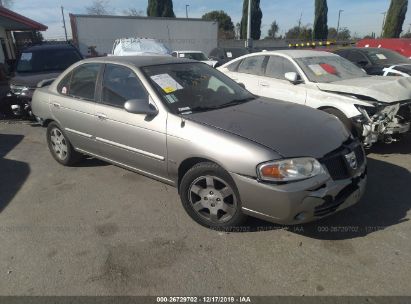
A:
[12,21]
[140,61]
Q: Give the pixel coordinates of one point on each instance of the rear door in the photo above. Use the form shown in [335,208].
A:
[273,83]
[133,140]
[73,107]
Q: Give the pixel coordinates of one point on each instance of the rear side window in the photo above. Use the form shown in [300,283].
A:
[83,81]
[252,65]
[64,85]
[121,84]
[277,67]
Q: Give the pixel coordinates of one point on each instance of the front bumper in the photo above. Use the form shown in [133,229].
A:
[299,202]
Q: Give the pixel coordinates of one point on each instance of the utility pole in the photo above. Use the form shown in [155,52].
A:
[338,24]
[299,22]
[383,23]
[249,42]
[187,5]
[64,22]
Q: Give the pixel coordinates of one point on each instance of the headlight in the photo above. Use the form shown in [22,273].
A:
[289,169]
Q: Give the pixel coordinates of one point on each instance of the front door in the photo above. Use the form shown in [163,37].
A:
[274,84]
[133,140]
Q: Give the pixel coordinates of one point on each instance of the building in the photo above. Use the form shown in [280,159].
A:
[12,22]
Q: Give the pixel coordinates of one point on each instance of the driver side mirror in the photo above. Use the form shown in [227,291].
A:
[293,77]
[140,106]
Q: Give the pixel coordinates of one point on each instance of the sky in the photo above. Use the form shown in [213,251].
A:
[361,17]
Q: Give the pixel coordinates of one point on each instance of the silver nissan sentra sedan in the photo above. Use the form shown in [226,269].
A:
[229,153]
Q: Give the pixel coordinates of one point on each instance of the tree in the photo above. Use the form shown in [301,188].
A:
[256,16]
[160,8]
[303,33]
[395,18]
[225,24]
[343,34]
[274,28]
[406,34]
[320,31]
[132,12]
[98,7]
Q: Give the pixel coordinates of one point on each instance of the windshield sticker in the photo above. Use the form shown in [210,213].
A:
[26,56]
[329,68]
[182,55]
[381,56]
[229,55]
[171,98]
[317,69]
[64,90]
[184,109]
[166,83]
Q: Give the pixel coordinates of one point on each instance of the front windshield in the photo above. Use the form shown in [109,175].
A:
[383,56]
[47,60]
[194,56]
[194,87]
[324,69]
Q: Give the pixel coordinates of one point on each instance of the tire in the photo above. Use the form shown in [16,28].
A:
[344,119]
[210,197]
[60,147]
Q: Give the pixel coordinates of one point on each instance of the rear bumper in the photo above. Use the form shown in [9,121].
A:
[300,202]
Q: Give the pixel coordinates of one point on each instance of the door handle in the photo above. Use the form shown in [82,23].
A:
[101,116]
[56,105]
[264,84]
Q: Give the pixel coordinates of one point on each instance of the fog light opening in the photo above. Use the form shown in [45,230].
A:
[300,216]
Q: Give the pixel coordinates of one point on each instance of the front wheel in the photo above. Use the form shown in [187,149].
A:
[60,147]
[210,197]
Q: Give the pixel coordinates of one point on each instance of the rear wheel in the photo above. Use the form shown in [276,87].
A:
[210,197]
[60,147]
[344,119]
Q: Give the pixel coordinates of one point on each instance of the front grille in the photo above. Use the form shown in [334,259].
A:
[331,205]
[336,163]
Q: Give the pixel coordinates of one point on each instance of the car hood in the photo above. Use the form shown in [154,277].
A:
[290,129]
[384,89]
[32,79]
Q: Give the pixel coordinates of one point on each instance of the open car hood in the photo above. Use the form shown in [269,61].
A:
[384,89]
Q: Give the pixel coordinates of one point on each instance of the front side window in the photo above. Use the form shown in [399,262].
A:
[194,87]
[325,69]
[83,81]
[252,65]
[121,84]
[277,67]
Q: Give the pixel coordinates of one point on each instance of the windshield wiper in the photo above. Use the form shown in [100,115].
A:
[210,108]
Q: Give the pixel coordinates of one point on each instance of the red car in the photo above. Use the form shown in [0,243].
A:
[400,45]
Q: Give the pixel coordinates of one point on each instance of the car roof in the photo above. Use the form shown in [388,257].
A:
[139,61]
[60,46]
[296,53]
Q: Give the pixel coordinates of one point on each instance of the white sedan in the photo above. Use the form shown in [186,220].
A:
[372,107]
[194,55]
